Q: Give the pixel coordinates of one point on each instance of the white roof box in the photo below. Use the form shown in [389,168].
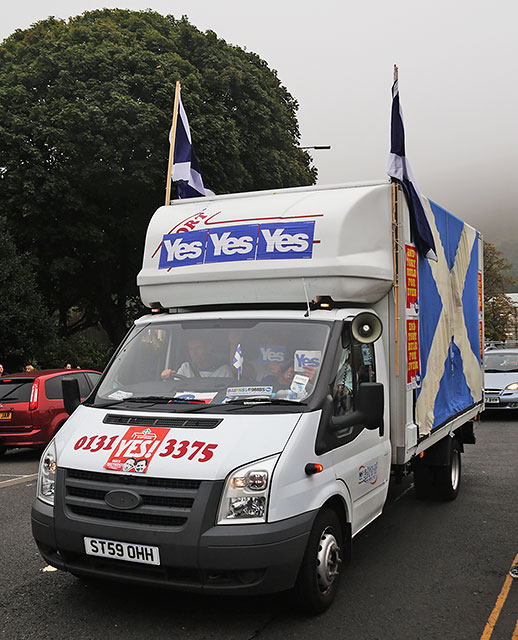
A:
[262,247]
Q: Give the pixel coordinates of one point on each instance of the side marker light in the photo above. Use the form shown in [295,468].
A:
[313,467]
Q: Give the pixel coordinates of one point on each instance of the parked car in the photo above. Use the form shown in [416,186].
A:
[31,405]
[501,378]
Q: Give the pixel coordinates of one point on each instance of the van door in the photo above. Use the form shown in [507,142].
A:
[361,455]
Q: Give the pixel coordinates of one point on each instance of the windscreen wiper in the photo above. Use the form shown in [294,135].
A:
[104,405]
[255,400]
[164,400]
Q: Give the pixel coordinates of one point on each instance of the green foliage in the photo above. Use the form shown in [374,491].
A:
[85,110]
[78,351]
[498,309]
[25,325]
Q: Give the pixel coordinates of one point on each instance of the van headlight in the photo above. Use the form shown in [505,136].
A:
[245,497]
[47,474]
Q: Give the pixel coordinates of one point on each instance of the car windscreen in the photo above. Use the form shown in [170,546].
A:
[15,390]
[217,361]
[501,362]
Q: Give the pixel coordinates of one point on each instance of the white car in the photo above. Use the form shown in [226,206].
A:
[501,378]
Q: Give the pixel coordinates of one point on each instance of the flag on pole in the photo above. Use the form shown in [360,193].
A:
[237,361]
[185,169]
[399,169]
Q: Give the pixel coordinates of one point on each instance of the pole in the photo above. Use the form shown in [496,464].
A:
[395,238]
[171,146]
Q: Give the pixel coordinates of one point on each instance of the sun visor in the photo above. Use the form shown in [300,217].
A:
[271,247]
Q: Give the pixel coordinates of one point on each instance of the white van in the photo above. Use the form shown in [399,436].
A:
[298,352]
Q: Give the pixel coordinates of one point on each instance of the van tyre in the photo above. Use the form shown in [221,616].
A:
[424,481]
[447,478]
[321,567]
[440,482]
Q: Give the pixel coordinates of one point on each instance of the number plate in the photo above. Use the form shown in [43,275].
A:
[492,400]
[6,415]
[122,551]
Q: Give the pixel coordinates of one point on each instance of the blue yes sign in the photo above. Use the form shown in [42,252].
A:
[272,241]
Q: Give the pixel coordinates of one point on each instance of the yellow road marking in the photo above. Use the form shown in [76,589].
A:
[515,632]
[490,625]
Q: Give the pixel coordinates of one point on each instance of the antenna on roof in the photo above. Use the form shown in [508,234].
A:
[306,315]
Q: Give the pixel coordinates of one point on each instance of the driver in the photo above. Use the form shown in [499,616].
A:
[201,363]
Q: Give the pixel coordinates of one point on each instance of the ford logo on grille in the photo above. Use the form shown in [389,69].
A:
[122,499]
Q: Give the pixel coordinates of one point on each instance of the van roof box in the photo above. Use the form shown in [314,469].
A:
[271,247]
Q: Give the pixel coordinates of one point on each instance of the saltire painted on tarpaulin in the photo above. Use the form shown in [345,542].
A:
[186,170]
[451,367]
[399,170]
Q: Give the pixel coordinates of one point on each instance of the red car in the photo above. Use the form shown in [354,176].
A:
[31,405]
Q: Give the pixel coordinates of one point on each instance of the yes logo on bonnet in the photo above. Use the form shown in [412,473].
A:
[293,240]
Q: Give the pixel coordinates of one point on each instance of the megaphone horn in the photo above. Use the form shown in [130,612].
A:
[366,327]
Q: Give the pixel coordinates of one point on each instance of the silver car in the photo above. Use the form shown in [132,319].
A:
[501,378]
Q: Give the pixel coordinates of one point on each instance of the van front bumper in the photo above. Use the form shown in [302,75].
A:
[246,559]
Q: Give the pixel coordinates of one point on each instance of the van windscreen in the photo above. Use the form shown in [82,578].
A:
[217,361]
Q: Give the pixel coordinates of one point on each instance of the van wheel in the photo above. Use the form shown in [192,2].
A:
[447,479]
[440,482]
[424,481]
[321,567]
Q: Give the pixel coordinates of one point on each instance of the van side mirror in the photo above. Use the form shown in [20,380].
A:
[368,412]
[71,395]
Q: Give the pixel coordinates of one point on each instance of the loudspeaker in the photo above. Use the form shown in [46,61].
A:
[366,327]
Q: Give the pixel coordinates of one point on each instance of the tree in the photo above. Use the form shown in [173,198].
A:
[25,325]
[85,110]
[498,308]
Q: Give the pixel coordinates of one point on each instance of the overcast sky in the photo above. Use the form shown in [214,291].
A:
[458,78]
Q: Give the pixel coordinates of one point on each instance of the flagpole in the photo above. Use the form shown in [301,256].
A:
[395,239]
[171,147]
[395,236]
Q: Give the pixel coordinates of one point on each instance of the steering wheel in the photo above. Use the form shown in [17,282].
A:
[174,376]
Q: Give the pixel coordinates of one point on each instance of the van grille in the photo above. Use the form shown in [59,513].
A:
[133,480]
[150,421]
[165,502]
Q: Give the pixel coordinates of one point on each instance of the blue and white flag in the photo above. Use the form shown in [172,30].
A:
[237,361]
[186,170]
[399,169]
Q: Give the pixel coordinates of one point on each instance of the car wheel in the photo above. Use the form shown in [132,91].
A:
[2,451]
[321,567]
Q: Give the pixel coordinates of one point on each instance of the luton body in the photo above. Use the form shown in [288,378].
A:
[298,354]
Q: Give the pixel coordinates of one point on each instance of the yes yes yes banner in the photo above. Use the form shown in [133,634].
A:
[273,241]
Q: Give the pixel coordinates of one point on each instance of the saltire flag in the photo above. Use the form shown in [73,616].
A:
[399,169]
[186,170]
[237,361]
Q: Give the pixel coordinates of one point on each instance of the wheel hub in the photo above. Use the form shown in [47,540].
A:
[328,560]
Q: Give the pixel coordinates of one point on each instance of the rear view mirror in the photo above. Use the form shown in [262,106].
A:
[71,395]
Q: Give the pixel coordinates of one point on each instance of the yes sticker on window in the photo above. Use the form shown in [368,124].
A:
[272,353]
[306,359]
